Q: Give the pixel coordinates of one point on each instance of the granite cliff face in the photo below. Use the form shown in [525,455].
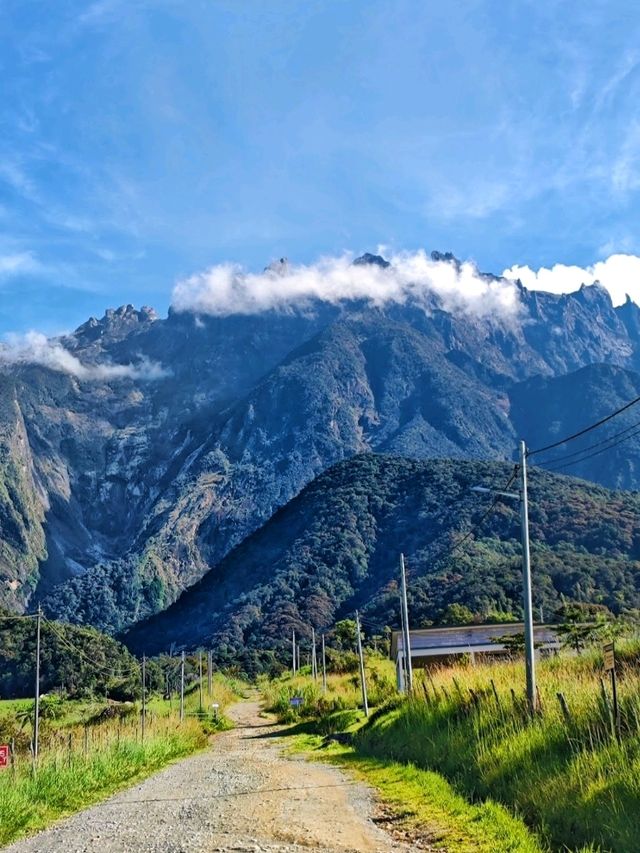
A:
[129,471]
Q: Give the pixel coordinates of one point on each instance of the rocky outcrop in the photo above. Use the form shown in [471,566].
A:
[154,475]
[23,504]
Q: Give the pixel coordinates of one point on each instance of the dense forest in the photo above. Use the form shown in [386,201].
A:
[336,547]
[76,661]
[79,662]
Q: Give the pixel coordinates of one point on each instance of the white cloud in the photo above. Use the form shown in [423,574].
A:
[411,278]
[36,348]
[110,12]
[626,66]
[98,12]
[619,274]
[17,263]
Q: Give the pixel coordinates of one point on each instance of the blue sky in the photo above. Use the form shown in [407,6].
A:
[144,140]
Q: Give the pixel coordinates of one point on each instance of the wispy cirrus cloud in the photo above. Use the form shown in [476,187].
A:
[18,263]
[13,174]
[625,170]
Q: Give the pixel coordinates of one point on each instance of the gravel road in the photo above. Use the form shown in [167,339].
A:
[242,794]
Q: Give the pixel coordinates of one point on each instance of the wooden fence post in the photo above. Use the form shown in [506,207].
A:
[495,695]
[565,710]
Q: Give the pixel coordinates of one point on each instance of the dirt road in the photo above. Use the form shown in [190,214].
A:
[240,795]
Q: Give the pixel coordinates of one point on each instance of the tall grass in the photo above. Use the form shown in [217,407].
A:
[343,693]
[563,770]
[86,754]
[426,806]
[67,779]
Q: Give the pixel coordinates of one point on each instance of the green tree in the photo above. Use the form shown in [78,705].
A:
[345,634]
[513,643]
[581,624]
[457,614]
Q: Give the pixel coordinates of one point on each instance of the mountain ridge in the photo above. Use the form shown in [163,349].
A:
[335,547]
[150,480]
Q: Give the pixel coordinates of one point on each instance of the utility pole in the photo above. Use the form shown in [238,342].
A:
[293,648]
[530,663]
[324,668]
[210,672]
[144,693]
[403,669]
[182,688]
[314,659]
[36,720]
[365,703]
[406,640]
[200,671]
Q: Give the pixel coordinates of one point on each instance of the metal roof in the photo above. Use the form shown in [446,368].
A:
[464,638]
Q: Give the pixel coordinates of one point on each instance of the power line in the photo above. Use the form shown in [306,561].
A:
[596,453]
[448,550]
[453,548]
[371,626]
[585,430]
[552,462]
[74,648]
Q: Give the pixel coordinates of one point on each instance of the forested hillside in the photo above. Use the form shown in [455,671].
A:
[336,547]
[79,661]
[137,452]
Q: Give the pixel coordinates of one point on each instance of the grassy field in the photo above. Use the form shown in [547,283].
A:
[563,773]
[426,806]
[86,754]
[12,706]
[343,694]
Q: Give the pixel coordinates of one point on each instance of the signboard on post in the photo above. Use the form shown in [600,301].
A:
[4,755]
[609,657]
[296,701]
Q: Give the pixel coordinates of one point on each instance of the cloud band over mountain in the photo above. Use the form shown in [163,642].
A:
[36,348]
[409,278]
[619,274]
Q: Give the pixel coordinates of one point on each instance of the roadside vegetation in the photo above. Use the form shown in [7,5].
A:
[464,752]
[420,802]
[67,779]
[91,744]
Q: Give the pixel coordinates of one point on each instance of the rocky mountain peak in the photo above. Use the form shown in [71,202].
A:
[278,267]
[116,322]
[127,313]
[594,294]
[446,257]
[175,473]
[373,260]
[629,313]
[148,313]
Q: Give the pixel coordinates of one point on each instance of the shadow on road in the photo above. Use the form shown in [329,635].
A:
[307,728]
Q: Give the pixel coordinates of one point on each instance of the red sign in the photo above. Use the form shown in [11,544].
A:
[4,754]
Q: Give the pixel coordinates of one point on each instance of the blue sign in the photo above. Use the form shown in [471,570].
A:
[296,701]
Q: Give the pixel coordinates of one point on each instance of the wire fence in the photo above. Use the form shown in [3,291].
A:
[65,744]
